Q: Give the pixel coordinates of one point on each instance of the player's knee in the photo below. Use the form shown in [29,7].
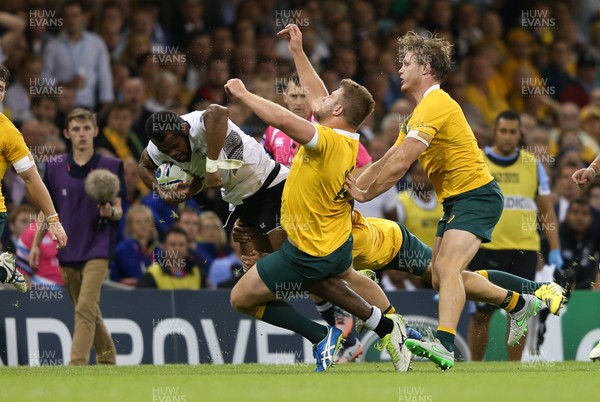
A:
[238,301]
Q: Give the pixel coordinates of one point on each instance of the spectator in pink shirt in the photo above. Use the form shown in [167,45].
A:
[48,269]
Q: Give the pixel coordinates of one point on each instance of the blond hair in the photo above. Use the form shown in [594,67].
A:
[131,212]
[357,101]
[211,216]
[431,50]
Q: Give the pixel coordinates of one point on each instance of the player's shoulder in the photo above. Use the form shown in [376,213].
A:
[194,118]
[8,129]
[438,99]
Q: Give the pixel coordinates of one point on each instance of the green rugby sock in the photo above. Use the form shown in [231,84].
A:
[510,281]
[281,314]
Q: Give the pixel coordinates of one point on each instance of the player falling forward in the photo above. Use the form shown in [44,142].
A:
[206,144]
[437,133]
[316,216]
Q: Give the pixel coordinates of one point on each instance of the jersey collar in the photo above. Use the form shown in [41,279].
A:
[354,136]
[431,88]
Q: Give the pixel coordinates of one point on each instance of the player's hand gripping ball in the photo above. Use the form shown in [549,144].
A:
[168,175]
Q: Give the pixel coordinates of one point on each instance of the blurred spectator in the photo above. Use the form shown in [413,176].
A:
[212,90]
[245,63]
[19,218]
[18,95]
[16,53]
[561,67]
[37,36]
[519,56]
[456,86]
[165,92]
[44,108]
[580,246]
[594,45]
[331,79]
[133,95]
[66,103]
[389,67]
[481,92]
[144,21]
[225,271]
[377,85]
[189,220]
[117,137]
[569,117]
[566,191]
[135,252]
[467,28]
[391,123]
[79,58]
[363,18]
[213,238]
[344,61]
[147,69]
[578,89]
[137,45]
[590,125]
[47,272]
[418,206]
[12,32]
[222,43]
[198,53]
[120,72]
[189,21]
[593,195]
[172,269]
[492,29]
[112,22]
[569,138]
[165,214]
[384,206]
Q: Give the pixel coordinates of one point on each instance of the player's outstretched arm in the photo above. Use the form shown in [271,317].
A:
[40,196]
[390,173]
[309,78]
[271,113]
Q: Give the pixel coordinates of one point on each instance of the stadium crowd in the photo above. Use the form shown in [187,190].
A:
[127,59]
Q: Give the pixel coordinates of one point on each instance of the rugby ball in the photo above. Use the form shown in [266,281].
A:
[169,174]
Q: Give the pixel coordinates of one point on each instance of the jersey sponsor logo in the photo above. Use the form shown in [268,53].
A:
[451,219]
[519,202]
[506,177]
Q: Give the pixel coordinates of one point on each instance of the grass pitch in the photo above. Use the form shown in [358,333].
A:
[369,382]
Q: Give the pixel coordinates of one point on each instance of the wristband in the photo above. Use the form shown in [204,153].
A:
[594,170]
[211,165]
[53,219]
